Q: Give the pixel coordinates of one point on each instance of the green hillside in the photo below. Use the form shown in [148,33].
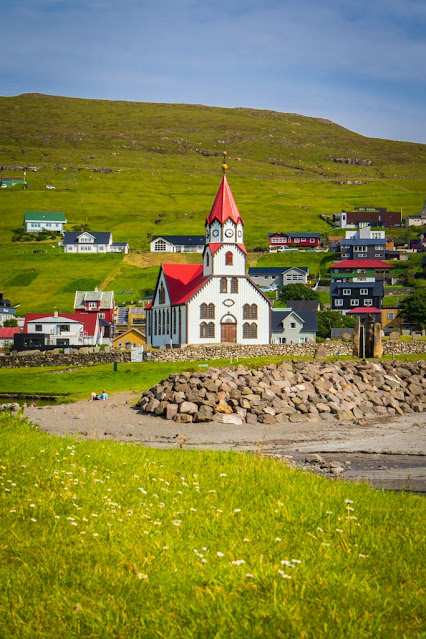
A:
[141,169]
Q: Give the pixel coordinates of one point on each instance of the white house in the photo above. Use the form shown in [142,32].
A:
[92,242]
[35,222]
[273,277]
[68,329]
[215,301]
[365,233]
[177,244]
[293,327]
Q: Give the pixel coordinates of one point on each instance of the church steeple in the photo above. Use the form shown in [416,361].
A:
[224,230]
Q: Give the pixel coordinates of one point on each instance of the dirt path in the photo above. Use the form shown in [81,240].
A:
[366,444]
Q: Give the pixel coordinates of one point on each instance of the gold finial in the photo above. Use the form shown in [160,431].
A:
[224,165]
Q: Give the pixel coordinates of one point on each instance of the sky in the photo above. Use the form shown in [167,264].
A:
[359,63]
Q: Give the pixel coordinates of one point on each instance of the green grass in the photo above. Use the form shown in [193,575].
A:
[101,539]
[160,181]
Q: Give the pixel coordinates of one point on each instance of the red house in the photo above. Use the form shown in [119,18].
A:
[281,241]
[100,302]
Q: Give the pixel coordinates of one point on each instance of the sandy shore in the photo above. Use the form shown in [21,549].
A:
[388,452]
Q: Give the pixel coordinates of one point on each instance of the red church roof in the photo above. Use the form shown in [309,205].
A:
[224,206]
[361,264]
[183,280]
[214,246]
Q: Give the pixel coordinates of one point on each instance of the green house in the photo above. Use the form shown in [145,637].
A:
[35,221]
[11,181]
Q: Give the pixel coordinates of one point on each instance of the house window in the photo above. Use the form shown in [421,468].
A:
[368,302]
[303,340]
[38,328]
[64,328]
[346,291]
[203,311]
[160,245]
[354,302]
[378,248]
[377,255]
[390,315]
[101,315]
[364,291]
[360,249]
[338,302]
[293,325]
[211,311]
[229,258]
[223,285]
[234,285]
[312,240]
[93,304]
[296,240]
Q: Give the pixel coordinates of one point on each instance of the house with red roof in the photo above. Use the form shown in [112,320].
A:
[44,331]
[214,301]
[362,271]
[7,334]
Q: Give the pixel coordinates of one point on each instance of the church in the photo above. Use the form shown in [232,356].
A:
[213,302]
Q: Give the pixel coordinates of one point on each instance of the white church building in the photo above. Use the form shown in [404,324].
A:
[214,301]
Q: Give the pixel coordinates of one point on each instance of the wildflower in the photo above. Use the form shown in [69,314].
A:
[96,534]
[12,511]
[32,519]
[57,516]
[212,491]
[249,576]
[238,562]
[142,575]
[287,563]
[177,522]
[283,575]
[338,530]
[246,540]
[278,539]
[237,510]
[320,529]
[223,474]
[194,510]
[328,512]
[219,554]
[204,561]
[349,501]
[296,561]
[32,505]
[363,556]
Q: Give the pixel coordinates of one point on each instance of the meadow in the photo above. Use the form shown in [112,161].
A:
[101,539]
[139,170]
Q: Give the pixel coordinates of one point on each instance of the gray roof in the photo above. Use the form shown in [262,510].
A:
[190,240]
[377,287]
[303,305]
[53,320]
[359,241]
[71,237]
[105,297]
[309,319]
[275,270]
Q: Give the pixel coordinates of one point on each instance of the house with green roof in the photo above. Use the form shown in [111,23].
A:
[36,221]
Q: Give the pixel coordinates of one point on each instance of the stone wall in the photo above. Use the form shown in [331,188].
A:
[60,359]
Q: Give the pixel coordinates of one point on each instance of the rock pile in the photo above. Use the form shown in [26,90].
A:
[290,391]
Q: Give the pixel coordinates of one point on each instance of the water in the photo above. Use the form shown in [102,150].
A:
[29,400]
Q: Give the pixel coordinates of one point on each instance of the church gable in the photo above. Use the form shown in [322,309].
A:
[161,295]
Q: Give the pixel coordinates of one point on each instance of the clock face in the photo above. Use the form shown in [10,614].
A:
[229,233]
[215,233]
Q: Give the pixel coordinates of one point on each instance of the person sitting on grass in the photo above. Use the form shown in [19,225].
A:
[94,396]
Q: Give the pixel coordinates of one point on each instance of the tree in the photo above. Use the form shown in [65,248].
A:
[413,308]
[297,292]
[10,323]
[332,319]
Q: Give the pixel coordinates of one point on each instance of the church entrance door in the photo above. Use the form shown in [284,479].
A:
[229,333]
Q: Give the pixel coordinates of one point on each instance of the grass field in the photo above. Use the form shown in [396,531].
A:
[105,540]
[139,170]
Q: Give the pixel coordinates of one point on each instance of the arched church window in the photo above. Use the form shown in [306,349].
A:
[162,294]
[211,311]
[210,329]
[229,258]
[234,285]
[203,329]
[253,331]
[223,285]
[246,311]
[253,311]
[203,311]
[207,259]
[246,330]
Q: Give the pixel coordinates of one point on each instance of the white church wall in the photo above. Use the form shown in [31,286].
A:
[238,266]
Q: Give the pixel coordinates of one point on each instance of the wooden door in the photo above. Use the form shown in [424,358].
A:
[229,333]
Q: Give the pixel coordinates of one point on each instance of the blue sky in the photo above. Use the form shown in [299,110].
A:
[360,63]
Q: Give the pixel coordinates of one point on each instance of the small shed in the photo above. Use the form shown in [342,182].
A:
[132,337]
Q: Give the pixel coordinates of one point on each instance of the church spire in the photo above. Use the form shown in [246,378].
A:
[224,206]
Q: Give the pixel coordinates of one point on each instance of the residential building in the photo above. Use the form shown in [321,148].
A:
[291,327]
[100,302]
[360,249]
[304,305]
[92,242]
[417,220]
[137,316]
[282,240]
[6,310]
[7,334]
[177,244]
[277,276]
[214,301]
[368,215]
[391,320]
[362,271]
[132,337]
[346,296]
[35,222]
[11,181]
[365,233]
[61,331]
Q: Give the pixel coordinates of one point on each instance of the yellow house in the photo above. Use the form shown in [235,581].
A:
[137,315]
[132,337]
[391,320]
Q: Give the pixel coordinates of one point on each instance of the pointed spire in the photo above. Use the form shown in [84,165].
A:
[224,206]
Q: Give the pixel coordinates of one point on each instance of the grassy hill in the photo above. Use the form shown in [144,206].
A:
[142,169]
